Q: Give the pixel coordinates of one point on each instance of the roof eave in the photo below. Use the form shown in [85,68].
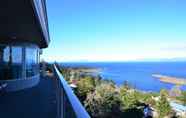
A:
[39,8]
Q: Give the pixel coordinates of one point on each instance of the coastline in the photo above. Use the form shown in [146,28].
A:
[137,74]
[170,79]
[84,69]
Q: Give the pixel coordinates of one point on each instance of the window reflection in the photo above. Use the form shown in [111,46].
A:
[10,62]
[32,66]
[14,64]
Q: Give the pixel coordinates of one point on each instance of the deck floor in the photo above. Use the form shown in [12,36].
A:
[36,102]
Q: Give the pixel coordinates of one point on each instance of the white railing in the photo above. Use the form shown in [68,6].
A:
[69,104]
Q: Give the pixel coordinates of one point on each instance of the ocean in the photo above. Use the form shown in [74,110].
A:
[138,74]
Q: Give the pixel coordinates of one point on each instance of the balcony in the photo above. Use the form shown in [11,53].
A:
[51,98]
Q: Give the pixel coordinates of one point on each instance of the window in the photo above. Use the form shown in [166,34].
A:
[18,62]
[32,65]
[10,62]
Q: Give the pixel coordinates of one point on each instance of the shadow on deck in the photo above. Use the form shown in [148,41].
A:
[36,102]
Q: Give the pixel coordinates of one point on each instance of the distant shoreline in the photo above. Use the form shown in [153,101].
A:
[85,62]
[170,79]
[84,69]
[130,72]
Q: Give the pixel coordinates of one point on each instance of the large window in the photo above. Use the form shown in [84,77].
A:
[18,62]
[10,62]
[32,66]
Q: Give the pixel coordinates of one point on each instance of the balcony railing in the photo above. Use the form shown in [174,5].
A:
[69,105]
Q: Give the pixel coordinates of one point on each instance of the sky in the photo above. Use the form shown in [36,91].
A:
[116,30]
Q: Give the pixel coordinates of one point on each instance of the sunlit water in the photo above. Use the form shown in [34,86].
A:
[139,74]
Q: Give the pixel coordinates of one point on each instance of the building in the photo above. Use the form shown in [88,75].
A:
[23,33]
[23,92]
[179,109]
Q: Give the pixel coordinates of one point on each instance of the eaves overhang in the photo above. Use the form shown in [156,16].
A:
[24,21]
[39,7]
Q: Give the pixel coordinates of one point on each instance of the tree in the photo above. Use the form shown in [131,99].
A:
[84,86]
[103,102]
[163,105]
[175,91]
[129,98]
[145,98]
[66,73]
[164,92]
[184,97]
[126,85]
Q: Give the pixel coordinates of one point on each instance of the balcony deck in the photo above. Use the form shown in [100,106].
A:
[51,98]
[36,102]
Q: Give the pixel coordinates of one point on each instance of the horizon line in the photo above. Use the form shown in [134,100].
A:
[116,61]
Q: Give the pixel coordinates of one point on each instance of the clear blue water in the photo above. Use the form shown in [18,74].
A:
[139,74]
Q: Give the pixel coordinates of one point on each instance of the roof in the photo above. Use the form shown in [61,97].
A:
[24,21]
[178,107]
[40,9]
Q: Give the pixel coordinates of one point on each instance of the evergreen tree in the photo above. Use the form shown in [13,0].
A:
[163,106]
[184,97]
[103,102]
[84,86]
[129,98]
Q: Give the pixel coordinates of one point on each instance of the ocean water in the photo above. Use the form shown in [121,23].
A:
[138,74]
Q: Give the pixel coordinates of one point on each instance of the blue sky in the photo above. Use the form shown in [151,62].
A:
[116,30]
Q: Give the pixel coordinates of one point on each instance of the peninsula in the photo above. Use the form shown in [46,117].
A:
[170,79]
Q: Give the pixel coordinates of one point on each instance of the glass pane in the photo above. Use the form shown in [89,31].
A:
[32,66]
[10,62]
[4,60]
[16,62]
